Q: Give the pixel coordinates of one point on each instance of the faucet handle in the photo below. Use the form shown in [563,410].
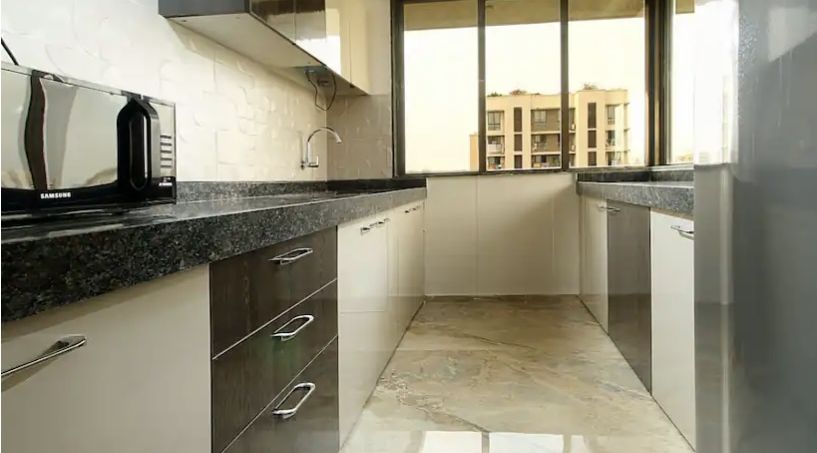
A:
[315,163]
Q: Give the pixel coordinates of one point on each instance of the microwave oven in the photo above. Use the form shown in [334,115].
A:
[70,146]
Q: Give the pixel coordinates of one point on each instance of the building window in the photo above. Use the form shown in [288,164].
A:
[517,119]
[591,159]
[591,115]
[496,144]
[517,142]
[572,119]
[495,163]
[517,162]
[611,139]
[611,115]
[494,121]
[591,139]
[538,119]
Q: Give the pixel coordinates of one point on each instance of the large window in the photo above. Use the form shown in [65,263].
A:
[597,78]
[681,81]
[440,79]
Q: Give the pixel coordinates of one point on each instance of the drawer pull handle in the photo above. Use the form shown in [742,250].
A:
[601,207]
[286,336]
[287,413]
[62,346]
[687,233]
[292,256]
[366,229]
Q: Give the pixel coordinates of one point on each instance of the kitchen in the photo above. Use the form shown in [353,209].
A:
[296,234]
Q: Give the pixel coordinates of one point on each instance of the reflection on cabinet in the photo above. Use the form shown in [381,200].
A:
[673,323]
[594,258]
[628,265]
[380,287]
[140,383]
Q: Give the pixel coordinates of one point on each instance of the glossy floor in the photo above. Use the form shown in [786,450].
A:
[517,375]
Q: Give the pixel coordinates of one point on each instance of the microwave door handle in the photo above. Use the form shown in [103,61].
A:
[135,135]
[33,139]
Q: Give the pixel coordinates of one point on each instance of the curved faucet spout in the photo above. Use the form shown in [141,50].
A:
[310,161]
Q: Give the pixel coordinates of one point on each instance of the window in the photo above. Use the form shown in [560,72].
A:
[494,121]
[437,135]
[440,127]
[607,70]
[517,162]
[681,94]
[517,119]
[611,139]
[611,115]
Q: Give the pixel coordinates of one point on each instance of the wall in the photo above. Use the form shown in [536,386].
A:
[502,234]
[235,120]
[365,122]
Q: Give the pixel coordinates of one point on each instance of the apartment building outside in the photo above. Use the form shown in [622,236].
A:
[523,130]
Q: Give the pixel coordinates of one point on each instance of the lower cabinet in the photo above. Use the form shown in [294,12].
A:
[380,288]
[304,418]
[139,383]
[628,274]
[593,252]
[673,319]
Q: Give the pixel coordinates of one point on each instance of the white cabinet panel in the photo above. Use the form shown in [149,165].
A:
[141,383]
[673,323]
[594,258]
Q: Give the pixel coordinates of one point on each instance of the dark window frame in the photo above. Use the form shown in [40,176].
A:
[657,30]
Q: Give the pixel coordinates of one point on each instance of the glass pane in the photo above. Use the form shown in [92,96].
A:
[522,79]
[440,70]
[607,83]
[681,94]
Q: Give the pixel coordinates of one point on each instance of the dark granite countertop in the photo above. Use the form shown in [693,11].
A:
[54,264]
[675,196]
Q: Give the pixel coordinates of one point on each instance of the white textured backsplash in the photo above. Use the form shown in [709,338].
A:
[235,120]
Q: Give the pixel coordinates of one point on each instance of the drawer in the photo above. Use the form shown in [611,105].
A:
[249,290]
[248,376]
[313,428]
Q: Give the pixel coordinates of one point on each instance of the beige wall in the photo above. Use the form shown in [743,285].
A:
[502,234]
[365,122]
[235,120]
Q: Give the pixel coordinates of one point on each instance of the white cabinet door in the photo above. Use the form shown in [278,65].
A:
[593,256]
[365,323]
[673,319]
[411,262]
[140,383]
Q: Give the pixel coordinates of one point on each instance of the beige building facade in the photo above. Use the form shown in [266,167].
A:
[523,130]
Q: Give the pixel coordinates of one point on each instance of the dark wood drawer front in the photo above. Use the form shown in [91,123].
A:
[313,428]
[249,290]
[247,377]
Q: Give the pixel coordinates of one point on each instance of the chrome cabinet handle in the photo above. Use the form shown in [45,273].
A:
[287,413]
[601,207]
[687,233]
[286,336]
[366,229]
[291,256]
[62,346]
[612,210]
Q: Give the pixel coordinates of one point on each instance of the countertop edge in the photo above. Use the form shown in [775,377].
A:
[674,198]
[95,264]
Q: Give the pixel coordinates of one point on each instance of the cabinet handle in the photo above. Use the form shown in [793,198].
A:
[687,233]
[62,346]
[601,207]
[366,229]
[612,210]
[291,256]
[287,413]
[380,223]
[286,336]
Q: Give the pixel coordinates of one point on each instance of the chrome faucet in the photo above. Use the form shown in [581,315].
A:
[306,159]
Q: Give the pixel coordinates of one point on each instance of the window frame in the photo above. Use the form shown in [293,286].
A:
[657,30]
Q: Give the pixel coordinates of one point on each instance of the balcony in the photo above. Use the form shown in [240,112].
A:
[495,148]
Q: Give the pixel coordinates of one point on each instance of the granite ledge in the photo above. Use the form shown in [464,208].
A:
[46,270]
[674,196]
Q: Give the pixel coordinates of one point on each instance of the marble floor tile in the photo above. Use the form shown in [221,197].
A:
[510,375]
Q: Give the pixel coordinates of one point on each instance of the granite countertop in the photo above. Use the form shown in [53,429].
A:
[49,265]
[675,196]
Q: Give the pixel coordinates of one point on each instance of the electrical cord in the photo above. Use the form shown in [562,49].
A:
[8,51]
[315,86]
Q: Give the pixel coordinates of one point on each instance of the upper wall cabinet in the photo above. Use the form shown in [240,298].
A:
[309,41]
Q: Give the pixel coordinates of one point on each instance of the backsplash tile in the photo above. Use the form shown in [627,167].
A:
[235,120]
